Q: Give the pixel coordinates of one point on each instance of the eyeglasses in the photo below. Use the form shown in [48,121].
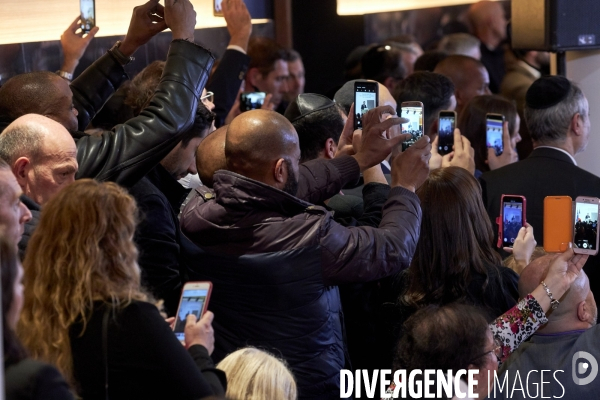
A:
[208,97]
[497,350]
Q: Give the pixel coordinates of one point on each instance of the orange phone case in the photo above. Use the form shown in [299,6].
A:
[558,222]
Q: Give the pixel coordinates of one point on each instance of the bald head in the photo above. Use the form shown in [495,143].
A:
[40,92]
[569,314]
[258,142]
[41,153]
[488,22]
[210,156]
[469,76]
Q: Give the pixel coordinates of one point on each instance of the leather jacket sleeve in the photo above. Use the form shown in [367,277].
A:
[94,86]
[130,150]
[363,254]
[322,179]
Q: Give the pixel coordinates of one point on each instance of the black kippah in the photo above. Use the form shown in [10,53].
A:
[305,104]
[547,91]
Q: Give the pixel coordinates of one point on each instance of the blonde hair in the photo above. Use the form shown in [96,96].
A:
[81,252]
[510,262]
[253,374]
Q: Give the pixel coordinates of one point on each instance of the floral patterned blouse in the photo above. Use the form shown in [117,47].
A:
[513,327]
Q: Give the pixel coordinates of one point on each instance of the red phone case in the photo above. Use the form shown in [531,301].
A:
[500,218]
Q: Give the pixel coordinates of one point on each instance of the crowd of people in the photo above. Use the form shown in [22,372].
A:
[328,248]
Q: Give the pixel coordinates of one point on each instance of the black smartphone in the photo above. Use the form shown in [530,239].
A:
[217,10]
[413,111]
[493,132]
[251,100]
[446,124]
[366,97]
[513,218]
[88,14]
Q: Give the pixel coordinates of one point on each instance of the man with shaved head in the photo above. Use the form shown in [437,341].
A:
[469,76]
[210,156]
[560,347]
[275,260]
[488,24]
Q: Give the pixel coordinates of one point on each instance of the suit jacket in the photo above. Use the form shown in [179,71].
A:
[514,86]
[226,80]
[546,172]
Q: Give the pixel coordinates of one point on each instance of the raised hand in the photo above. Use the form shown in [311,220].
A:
[180,17]
[411,168]
[200,332]
[239,22]
[74,44]
[509,154]
[146,21]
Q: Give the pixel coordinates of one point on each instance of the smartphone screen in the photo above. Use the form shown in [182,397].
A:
[586,225]
[251,100]
[414,113]
[446,124]
[494,133]
[217,10]
[512,219]
[366,96]
[88,15]
[192,302]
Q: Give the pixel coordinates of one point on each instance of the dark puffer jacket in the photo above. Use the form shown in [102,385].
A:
[274,261]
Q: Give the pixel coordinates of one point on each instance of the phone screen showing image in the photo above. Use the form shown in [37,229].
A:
[192,302]
[252,100]
[414,126]
[446,133]
[586,225]
[88,15]
[512,220]
[365,99]
[494,135]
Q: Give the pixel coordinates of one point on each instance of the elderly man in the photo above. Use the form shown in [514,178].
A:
[557,115]
[559,348]
[13,213]
[128,152]
[43,157]
[469,76]
[277,258]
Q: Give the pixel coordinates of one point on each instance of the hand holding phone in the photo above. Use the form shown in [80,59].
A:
[585,234]
[366,97]
[88,14]
[200,331]
[493,133]
[251,100]
[413,111]
[194,303]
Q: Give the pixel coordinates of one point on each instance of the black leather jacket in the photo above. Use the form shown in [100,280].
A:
[129,151]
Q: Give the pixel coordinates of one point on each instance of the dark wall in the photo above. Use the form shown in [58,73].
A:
[324,39]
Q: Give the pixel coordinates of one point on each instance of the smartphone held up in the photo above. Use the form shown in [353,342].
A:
[512,219]
[493,133]
[88,14]
[217,9]
[413,111]
[585,235]
[446,125]
[366,97]
[194,300]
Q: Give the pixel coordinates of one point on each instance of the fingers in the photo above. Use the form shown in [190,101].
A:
[422,143]
[75,24]
[458,143]
[505,136]
[190,319]
[508,249]
[491,153]
[207,318]
[434,145]
[267,105]
[91,34]
[579,260]
[568,254]
[377,113]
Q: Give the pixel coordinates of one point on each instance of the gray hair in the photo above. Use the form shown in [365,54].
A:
[18,141]
[550,125]
[459,43]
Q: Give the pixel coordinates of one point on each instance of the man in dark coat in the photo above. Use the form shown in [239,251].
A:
[276,259]
[557,115]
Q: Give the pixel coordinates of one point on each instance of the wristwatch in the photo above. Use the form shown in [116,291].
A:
[120,57]
[65,75]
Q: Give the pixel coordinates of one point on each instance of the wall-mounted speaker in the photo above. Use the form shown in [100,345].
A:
[555,25]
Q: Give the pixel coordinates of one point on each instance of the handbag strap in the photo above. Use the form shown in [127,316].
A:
[105,348]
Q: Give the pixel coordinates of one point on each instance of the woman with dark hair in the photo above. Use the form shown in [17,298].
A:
[454,259]
[458,337]
[25,378]
[86,312]
[472,124]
